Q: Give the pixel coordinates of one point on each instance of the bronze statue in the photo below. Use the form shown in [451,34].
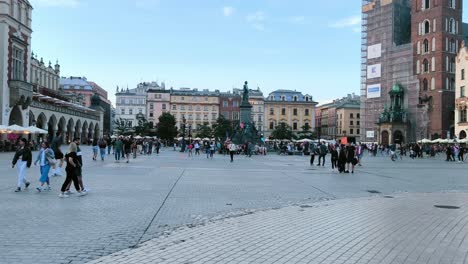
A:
[245,96]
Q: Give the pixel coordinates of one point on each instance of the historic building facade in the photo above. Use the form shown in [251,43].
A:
[28,89]
[229,106]
[408,46]
[437,34]
[158,101]
[197,107]
[461,100]
[130,103]
[289,107]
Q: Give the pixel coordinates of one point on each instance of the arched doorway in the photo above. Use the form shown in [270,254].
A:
[41,121]
[51,127]
[398,137]
[462,135]
[385,138]
[16,116]
[32,119]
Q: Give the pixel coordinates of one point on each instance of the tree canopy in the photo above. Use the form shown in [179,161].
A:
[282,131]
[222,127]
[166,128]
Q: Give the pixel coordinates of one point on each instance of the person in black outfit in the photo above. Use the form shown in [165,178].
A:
[334,158]
[461,152]
[350,154]
[73,167]
[342,159]
[22,160]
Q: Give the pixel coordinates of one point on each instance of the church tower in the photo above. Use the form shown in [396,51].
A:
[436,37]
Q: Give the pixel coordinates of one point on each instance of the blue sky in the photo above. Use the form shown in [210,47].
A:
[311,46]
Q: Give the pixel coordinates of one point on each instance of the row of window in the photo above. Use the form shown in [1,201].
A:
[235,115]
[130,111]
[234,104]
[426,4]
[197,108]
[451,26]
[127,101]
[294,98]
[214,116]
[295,111]
[18,64]
[426,67]
[450,46]
[294,126]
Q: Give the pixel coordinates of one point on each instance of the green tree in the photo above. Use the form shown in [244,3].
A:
[166,128]
[222,126]
[306,132]
[142,127]
[204,131]
[282,131]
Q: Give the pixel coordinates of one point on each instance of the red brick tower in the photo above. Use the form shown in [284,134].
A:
[436,37]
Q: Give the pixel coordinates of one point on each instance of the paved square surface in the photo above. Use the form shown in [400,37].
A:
[274,209]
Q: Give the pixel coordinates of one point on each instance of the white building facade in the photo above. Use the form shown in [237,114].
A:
[130,103]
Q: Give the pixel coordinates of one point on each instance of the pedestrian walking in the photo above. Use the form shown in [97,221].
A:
[22,160]
[232,150]
[127,148]
[212,149]
[359,153]
[334,157]
[350,158]
[102,148]
[95,149]
[72,169]
[197,148]
[313,152]
[118,146]
[59,158]
[342,159]
[46,159]
[158,147]
[190,150]
[323,150]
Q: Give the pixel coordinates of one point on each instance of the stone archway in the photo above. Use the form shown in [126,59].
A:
[16,116]
[462,135]
[398,137]
[385,138]
[90,133]
[97,132]
[61,128]
[70,130]
[32,119]
[78,129]
[52,127]
[84,132]
[41,121]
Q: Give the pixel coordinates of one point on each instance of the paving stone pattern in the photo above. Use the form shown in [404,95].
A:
[151,197]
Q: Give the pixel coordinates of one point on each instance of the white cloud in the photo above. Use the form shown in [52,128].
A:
[298,20]
[56,3]
[256,17]
[228,11]
[352,21]
[257,20]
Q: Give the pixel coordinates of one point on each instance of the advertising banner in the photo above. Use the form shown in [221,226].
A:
[374,71]
[374,51]
[370,134]
[374,91]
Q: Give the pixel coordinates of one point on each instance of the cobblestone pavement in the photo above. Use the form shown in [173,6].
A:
[152,196]
[404,229]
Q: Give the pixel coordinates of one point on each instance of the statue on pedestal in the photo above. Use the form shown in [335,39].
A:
[245,95]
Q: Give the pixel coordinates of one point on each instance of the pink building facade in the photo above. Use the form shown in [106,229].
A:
[157,103]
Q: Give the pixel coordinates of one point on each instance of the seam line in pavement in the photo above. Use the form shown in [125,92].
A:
[159,209]
[318,189]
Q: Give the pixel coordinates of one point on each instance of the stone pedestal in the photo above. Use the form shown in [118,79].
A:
[246,113]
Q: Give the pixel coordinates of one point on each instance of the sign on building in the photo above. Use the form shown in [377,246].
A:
[374,51]
[374,71]
[370,134]
[374,91]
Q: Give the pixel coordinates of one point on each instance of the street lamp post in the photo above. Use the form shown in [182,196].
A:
[182,147]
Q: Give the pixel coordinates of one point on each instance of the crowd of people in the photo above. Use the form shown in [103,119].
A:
[343,157]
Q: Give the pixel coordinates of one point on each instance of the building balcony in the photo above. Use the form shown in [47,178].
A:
[20,93]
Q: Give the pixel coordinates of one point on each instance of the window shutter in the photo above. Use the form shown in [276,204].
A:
[434,25]
[433,44]
[446,25]
[418,67]
[419,47]
[433,64]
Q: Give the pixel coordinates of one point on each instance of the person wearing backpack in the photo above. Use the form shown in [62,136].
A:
[313,152]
